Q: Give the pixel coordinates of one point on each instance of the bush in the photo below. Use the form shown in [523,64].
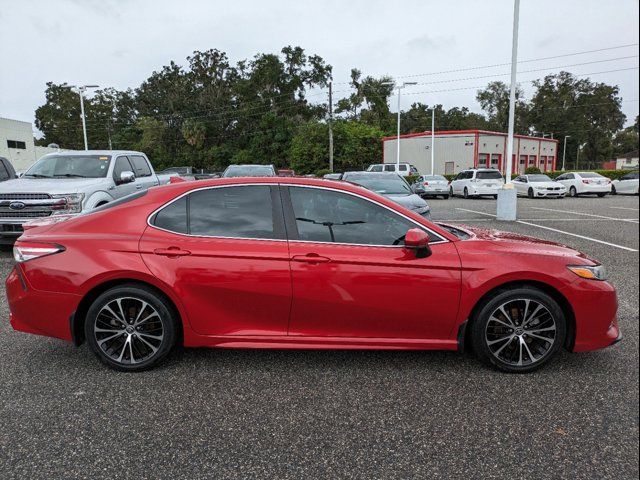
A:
[532,171]
[411,178]
[322,172]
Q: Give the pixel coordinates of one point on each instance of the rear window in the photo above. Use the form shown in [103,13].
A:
[434,178]
[590,175]
[489,175]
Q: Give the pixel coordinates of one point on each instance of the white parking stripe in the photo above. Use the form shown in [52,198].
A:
[557,231]
[585,214]
[625,208]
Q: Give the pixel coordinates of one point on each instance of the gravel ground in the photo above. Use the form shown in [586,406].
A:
[300,414]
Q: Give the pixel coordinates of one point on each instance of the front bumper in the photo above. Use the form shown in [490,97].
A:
[27,314]
[549,193]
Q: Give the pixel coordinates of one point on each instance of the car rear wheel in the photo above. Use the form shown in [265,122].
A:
[613,190]
[466,192]
[601,195]
[530,193]
[519,330]
[130,328]
[446,197]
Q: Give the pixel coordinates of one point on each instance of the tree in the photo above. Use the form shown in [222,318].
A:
[59,118]
[588,112]
[356,146]
[494,100]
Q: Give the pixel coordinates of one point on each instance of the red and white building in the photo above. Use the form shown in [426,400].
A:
[457,150]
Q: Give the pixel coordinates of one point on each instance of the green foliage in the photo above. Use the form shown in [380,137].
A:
[322,172]
[532,170]
[356,146]
[411,178]
[494,99]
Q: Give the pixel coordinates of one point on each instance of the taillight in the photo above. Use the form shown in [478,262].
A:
[24,251]
[586,181]
[426,184]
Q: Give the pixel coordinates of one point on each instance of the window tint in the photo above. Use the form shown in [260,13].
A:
[570,176]
[491,175]
[590,175]
[243,212]
[328,216]
[376,168]
[403,168]
[173,217]
[389,168]
[141,166]
[122,165]
[4,174]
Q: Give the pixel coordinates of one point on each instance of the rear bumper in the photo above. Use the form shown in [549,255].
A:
[586,189]
[28,315]
[436,191]
[482,191]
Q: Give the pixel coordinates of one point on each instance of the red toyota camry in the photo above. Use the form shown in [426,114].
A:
[300,263]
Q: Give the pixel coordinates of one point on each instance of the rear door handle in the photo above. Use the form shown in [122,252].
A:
[171,252]
[311,258]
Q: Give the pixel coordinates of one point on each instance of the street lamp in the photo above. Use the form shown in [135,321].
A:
[80,89]
[564,152]
[400,87]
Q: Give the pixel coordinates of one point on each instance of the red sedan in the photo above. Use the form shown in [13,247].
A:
[300,263]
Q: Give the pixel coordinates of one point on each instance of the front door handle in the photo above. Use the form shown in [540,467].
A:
[311,258]
[171,252]
[139,187]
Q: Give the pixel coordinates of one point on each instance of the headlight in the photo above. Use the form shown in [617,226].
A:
[68,203]
[422,210]
[596,272]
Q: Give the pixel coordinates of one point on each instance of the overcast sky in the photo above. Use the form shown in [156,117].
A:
[118,43]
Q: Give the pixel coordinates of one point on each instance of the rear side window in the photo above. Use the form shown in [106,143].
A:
[141,166]
[403,168]
[173,217]
[389,168]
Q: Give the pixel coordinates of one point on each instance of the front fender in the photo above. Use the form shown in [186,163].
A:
[97,198]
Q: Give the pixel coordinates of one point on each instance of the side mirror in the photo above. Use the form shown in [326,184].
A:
[127,177]
[417,241]
[419,189]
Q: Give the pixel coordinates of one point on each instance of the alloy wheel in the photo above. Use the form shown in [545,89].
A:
[128,330]
[521,332]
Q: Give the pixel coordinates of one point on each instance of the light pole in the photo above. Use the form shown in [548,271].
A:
[564,151]
[80,89]
[433,137]
[507,196]
[400,87]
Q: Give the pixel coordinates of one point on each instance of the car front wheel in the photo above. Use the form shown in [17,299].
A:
[130,328]
[518,330]
[573,192]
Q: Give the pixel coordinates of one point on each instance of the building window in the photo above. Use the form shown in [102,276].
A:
[16,144]
[483,159]
[495,160]
[523,159]
[533,160]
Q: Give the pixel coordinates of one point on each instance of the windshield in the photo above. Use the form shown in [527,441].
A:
[590,175]
[383,186]
[70,166]
[249,171]
[539,178]
[435,178]
[489,175]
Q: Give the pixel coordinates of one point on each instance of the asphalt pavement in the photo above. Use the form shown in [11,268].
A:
[305,414]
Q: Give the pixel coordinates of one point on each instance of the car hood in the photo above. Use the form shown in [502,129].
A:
[412,202]
[52,186]
[513,243]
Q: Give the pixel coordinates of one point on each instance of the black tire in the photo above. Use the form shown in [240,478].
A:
[613,190]
[495,197]
[573,192]
[530,193]
[602,195]
[466,192]
[484,324]
[446,197]
[162,319]
[451,192]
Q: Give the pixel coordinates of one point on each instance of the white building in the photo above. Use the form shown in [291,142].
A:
[457,150]
[627,161]
[16,144]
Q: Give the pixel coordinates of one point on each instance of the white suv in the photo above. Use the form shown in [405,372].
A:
[481,182]
[404,169]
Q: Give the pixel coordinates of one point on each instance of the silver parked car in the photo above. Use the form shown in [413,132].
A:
[431,186]
[392,186]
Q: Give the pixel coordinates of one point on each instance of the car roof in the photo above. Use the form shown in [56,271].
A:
[250,165]
[370,175]
[95,152]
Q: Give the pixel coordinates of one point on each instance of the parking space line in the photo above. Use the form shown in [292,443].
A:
[625,208]
[558,231]
[585,214]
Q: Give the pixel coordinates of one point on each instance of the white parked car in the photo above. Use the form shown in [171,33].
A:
[481,182]
[403,169]
[585,183]
[538,186]
[431,186]
[626,184]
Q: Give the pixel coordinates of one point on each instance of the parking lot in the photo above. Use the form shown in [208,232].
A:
[300,414]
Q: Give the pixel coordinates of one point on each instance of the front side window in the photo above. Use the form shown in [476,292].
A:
[122,165]
[140,165]
[329,216]
[71,166]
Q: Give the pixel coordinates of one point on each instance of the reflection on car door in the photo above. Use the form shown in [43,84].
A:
[224,252]
[352,278]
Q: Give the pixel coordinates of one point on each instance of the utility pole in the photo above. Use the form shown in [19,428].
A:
[564,151]
[331,126]
[400,87]
[433,138]
[507,196]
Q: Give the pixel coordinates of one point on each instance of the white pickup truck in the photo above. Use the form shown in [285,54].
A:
[72,182]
